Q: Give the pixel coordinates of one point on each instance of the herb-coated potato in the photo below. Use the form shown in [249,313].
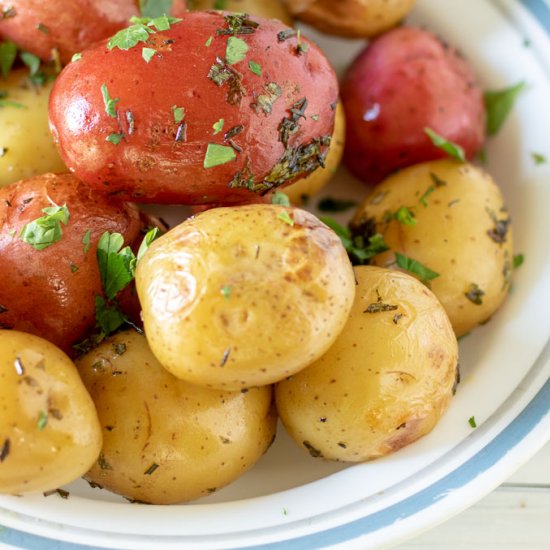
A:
[26,145]
[351,18]
[312,184]
[268,9]
[229,115]
[386,380]
[68,26]
[51,291]
[385,126]
[49,429]
[460,230]
[165,440]
[244,296]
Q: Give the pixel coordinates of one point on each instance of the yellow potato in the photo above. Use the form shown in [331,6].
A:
[269,9]
[304,188]
[351,18]
[26,145]
[461,231]
[384,383]
[49,430]
[244,296]
[164,440]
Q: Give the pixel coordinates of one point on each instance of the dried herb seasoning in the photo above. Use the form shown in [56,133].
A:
[475,294]
[290,125]
[221,73]
[239,23]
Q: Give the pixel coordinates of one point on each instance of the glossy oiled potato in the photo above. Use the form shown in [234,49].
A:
[26,145]
[312,184]
[386,380]
[269,9]
[49,430]
[165,440]
[351,18]
[244,296]
[460,230]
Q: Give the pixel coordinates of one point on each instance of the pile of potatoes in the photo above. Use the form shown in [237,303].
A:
[155,362]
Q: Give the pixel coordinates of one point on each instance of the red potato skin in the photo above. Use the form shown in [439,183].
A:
[40,293]
[39,26]
[403,82]
[150,165]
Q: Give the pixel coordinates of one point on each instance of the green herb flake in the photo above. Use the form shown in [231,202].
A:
[150,236]
[116,264]
[74,268]
[108,317]
[76,57]
[538,158]
[42,28]
[86,240]
[423,199]
[179,113]
[36,75]
[45,231]
[110,103]
[424,273]
[218,126]
[154,8]
[301,47]
[405,216]
[42,421]
[139,31]
[226,291]
[280,198]
[239,23]
[148,54]
[265,101]
[209,41]
[285,217]
[472,422]
[220,4]
[8,53]
[114,138]
[331,204]
[518,260]
[475,294]
[217,155]
[499,104]
[254,67]
[236,50]
[452,149]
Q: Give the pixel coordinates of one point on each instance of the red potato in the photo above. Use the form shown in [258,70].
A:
[40,26]
[164,117]
[403,82]
[51,292]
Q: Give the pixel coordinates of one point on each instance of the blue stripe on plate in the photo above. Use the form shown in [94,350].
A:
[522,425]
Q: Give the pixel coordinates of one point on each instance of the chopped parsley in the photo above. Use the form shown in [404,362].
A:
[46,230]
[179,113]
[150,236]
[108,317]
[236,50]
[76,57]
[265,101]
[405,216]
[280,199]
[36,76]
[498,105]
[222,73]
[110,103]
[116,264]
[140,30]
[518,260]
[239,23]
[218,126]
[217,155]
[285,217]
[154,8]
[148,54]
[254,67]
[425,274]
[472,422]
[8,53]
[452,149]
[115,138]
[209,41]
[86,240]
[42,421]
[539,158]
[226,291]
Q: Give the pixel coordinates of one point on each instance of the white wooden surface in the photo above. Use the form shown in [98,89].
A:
[515,516]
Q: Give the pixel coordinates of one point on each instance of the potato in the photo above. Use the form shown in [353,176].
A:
[244,296]
[229,116]
[51,292]
[268,9]
[26,145]
[460,230]
[49,429]
[313,183]
[386,380]
[386,127]
[165,440]
[351,18]
[67,26]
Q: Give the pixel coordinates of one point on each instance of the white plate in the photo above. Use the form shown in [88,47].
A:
[290,500]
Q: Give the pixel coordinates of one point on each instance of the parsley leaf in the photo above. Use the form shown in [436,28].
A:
[148,54]
[256,68]
[285,217]
[472,422]
[108,317]
[539,158]
[236,50]
[405,216]
[42,421]
[218,126]
[154,8]
[151,235]
[116,264]
[86,240]
[452,149]
[425,274]
[139,31]
[45,231]
[179,113]
[76,57]
[518,260]
[498,105]
[280,199]
[225,291]
[114,138]
[218,154]
[8,52]
[110,103]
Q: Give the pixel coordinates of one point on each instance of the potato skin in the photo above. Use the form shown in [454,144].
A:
[385,127]
[51,292]
[268,9]
[462,232]
[49,429]
[161,160]
[27,148]
[351,18]
[165,440]
[68,26]
[386,380]
[237,297]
